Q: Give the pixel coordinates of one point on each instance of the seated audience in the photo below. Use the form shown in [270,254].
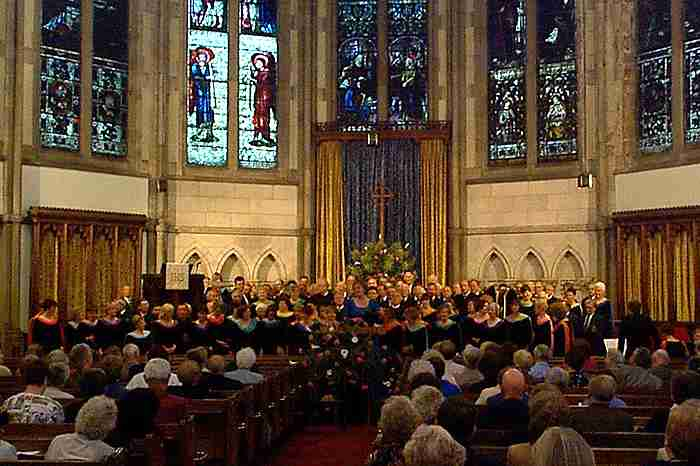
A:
[522,359]
[509,410]
[245,360]
[138,409]
[157,375]
[547,409]
[613,360]
[682,435]
[80,359]
[558,377]
[113,367]
[95,420]
[446,386]
[397,422]
[214,377]
[637,376]
[471,374]
[423,379]
[190,374]
[458,417]
[133,363]
[694,364]
[92,383]
[676,348]
[8,452]
[427,401]
[576,359]
[32,406]
[456,371]
[4,370]
[561,446]
[661,366]
[492,365]
[599,416]
[684,386]
[57,356]
[58,373]
[538,372]
[139,380]
[433,446]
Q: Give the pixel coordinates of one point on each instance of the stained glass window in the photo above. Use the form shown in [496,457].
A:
[692,71]
[408,50]
[110,77]
[507,46]
[60,74]
[655,107]
[357,62]
[257,84]
[556,80]
[207,85]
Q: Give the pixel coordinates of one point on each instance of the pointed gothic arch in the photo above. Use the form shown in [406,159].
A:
[532,266]
[197,260]
[569,265]
[495,266]
[232,264]
[269,267]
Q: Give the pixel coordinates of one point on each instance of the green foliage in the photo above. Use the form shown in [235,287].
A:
[378,259]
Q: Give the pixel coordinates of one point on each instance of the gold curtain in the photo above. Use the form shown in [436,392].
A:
[434,208]
[684,276]
[330,238]
[47,279]
[104,264]
[657,278]
[126,255]
[632,257]
[76,269]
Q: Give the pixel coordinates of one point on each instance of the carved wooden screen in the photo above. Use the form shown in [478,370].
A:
[81,258]
[657,262]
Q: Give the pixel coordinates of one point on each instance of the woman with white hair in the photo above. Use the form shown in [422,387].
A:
[433,446]
[397,423]
[245,360]
[562,446]
[96,419]
[427,401]
[600,323]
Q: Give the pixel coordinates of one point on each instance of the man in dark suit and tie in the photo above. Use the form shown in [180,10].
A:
[596,327]
[575,313]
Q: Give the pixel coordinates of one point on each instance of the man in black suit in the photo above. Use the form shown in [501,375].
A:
[684,386]
[509,410]
[575,312]
[599,417]
[597,326]
[215,379]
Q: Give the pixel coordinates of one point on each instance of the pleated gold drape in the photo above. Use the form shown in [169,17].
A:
[632,279]
[77,260]
[684,276]
[657,278]
[434,208]
[330,239]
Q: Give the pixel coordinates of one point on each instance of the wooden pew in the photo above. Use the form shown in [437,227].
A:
[502,438]
[630,400]
[119,458]
[603,456]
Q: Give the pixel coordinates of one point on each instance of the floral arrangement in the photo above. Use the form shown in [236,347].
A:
[377,259]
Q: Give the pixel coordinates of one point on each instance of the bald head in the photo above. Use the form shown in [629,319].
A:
[513,384]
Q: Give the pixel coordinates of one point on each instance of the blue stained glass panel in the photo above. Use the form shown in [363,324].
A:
[692,71]
[654,61]
[207,87]
[59,116]
[258,17]
[257,101]
[507,48]
[110,77]
[408,69]
[557,84]
[357,63]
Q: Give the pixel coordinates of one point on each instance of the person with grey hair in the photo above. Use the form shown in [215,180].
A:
[80,358]
[419,366]
[397,422]
[682,434]
[601,415]
[96,419]
[57,356]
[245,360]
[427,401]
[471,375]
[661,366]
[433,446]
[522,359]
[636,377]
[562,446]
[538,372]
[56,379]
[157,375]
[558,377]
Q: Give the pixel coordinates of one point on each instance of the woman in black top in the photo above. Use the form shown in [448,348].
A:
[527,305]
[44,328]
[87,329]
[416,334]
[110,331]
[636,330]
[166,332]
[494,328]
[244,329]
[199,332]
[445,329]
[139,337]
[542,327]
[519,326]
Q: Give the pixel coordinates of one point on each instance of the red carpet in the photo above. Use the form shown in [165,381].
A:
[326,446]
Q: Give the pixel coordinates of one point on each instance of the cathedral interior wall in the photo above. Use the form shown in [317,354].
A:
[657,189]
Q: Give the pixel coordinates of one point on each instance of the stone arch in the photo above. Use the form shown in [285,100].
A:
[232,264]
[532,266]
[198,262]
[494,266]
[569,265]
[269,267]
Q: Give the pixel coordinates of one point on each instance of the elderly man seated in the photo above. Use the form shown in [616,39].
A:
[214,377]
[172,408]
[682,435]
[599,416]
[433,446]
[32,406]
[245,360]
[190,374]
[661,366]
[684,386]
[509,409]
[637,376]
[538,372]
[96,419]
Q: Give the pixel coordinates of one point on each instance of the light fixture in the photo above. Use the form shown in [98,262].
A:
[585,181]
[372,139]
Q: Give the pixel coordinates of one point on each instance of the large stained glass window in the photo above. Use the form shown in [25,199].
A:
[207,84]
[507,46]
[655,103]
[357,62]
[60,74]
[556,80]
[110,77]
[692,71]
[408,54]
[257,84]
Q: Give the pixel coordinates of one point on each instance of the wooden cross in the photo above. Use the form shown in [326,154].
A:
[381,196]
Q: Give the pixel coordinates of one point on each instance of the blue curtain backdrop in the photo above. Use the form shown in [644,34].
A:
[396,165]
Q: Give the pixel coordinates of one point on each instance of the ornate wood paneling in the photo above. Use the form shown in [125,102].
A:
[81,258]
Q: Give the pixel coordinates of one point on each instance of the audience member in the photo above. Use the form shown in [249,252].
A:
[682,435]
[471,375]
[56,378]
[397,423]
[446,386]
[32,406]
[427,401]
[684,386]
[492,365]
[8,452]
[138,409]
[157,375]
[80,359]
[558,377]
[214,377]
[523,360]
[599,416]
[576,359]
[538,372]
[562,446]
[637,376]
[458,417]
[424,379]
[452,369]
[113,367]
[190,374]
[95,420]
[4,371]
[509,411]
[132,360]
[433,446]
[245,360]
[661,366]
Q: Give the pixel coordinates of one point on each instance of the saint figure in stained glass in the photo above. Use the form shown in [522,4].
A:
[201,94]
[507,31]
[692,71]
[263,82]
[258,17]
[208,15]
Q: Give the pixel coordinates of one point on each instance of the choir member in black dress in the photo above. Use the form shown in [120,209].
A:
[322,297]
[339,303]
[199,332]
[244,329]
[44,328]
[445,329]
[140,336]
[301,331]
[110,329]
[428,313]
[475,324]
[390,334]
[217,328]
[270,331]
[598,321]
[636,330]
[527,305]
[166,332]
[519,326]
[494,328]
[285,317]
[542,327]
[575,313]
[416,334]
[183,316]
[259,307]
[87,329]
[563,336]
[396,305]
[71,337]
